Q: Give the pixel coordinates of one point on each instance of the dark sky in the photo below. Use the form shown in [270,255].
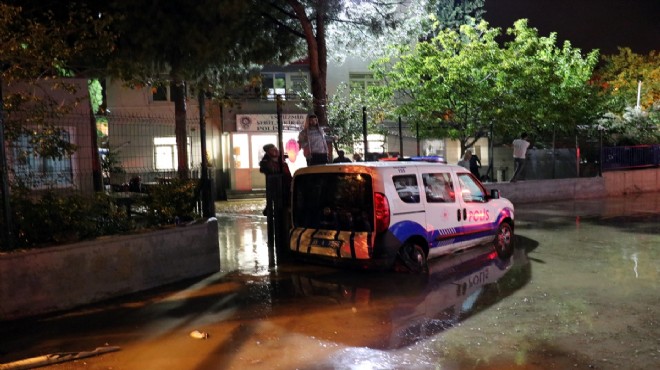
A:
[588,24]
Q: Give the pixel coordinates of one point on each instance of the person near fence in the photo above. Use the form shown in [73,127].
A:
[519,153]
[270,165]
[465,161]
[313,141]
[341,157]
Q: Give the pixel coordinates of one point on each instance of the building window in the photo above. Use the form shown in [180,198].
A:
[159,93]
[165,93]
[273,84]
[361,81]
[39,172]
[165,154]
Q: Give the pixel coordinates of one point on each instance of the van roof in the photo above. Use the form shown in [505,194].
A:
[367,166]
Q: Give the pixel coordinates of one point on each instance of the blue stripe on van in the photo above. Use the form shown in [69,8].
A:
[440,237]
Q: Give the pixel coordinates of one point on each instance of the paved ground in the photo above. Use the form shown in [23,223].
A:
[581,292]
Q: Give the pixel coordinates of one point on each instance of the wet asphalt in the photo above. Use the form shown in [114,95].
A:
[581,292]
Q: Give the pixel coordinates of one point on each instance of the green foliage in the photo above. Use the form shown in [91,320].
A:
[110,163]
[173,200]
[95,94]
[633,127]
[344,111]
[461,82]
[345,114]
[623,71]
[55,218]
[627,124]
[452,14]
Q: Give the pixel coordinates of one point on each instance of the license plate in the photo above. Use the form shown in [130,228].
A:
[335,244]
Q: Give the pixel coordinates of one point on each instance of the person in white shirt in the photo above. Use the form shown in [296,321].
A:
[519,152]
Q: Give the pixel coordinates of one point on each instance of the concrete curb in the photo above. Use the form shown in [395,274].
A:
[52,279]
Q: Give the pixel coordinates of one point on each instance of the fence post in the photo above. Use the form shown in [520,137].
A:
[6,197]
[208,206]
[364,132]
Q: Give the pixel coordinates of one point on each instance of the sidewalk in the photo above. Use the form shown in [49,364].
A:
[244,207]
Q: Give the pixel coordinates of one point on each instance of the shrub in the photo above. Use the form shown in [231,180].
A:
[55,218]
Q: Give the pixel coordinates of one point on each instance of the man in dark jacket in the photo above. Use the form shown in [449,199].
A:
[270,165]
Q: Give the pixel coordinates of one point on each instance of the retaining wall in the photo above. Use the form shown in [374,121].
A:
[613,183]
[52,279]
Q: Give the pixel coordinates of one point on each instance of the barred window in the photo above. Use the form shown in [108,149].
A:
[165,154]
[39,172]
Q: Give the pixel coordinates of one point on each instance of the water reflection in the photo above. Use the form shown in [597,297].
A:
[243,244]
[410,307]
[379,310]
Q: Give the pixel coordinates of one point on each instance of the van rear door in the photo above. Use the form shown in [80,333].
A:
[333,214]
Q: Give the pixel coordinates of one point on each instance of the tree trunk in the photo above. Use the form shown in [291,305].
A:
[178,91]
[318,63]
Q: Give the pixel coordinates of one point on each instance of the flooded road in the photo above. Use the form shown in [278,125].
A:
[581,291]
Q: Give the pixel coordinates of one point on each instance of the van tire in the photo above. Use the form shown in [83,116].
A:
[411,259]
[504,240]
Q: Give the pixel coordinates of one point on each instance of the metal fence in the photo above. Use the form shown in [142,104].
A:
[629,157]
[142,147]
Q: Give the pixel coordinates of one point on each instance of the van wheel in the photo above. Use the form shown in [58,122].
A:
[411,258]
[504,240]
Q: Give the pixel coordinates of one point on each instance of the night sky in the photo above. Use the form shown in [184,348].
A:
[588,24]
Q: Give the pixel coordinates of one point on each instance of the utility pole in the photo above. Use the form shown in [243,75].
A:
[400,139]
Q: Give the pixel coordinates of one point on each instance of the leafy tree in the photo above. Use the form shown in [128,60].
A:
[205,45]
[545,87]
[345,113]
[461,82]
[622,71]
[345,22]
[40,45]
[452,13]
[446,84]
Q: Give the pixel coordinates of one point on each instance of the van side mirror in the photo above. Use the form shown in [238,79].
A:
[494,194]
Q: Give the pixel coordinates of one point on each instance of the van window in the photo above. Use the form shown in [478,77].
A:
[438,188]
[406,187]
[333,201]
[471,190]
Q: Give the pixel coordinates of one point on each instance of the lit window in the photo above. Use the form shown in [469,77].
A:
[165,153]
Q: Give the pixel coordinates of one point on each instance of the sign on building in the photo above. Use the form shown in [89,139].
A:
[268,122]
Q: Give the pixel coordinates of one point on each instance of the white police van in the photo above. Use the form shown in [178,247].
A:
[394,214]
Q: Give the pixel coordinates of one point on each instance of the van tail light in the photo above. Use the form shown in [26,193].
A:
[382,207]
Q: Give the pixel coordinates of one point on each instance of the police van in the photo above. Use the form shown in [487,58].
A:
[396,215]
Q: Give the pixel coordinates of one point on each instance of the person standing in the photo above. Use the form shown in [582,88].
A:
[313,142]
[519,153]
[465,161]
[341,157]
[357,157]
[475,164]
[270,165]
